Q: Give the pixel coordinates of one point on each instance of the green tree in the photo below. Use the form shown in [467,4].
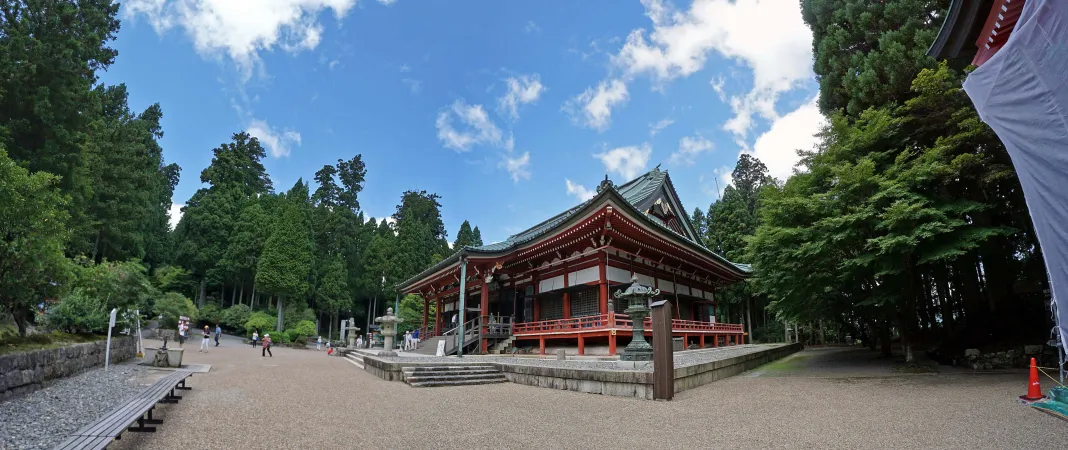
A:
[867,53]
[285,264]
[333,293]
[32,237]
[466,237]
[421,237]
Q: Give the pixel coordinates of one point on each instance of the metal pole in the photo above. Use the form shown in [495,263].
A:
[396,311]
[463,307]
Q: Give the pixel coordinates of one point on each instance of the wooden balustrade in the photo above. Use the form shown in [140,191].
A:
[618,321]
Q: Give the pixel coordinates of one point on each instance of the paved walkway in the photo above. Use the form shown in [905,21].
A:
[305,399]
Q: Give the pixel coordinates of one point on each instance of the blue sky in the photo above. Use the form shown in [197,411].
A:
[511,111]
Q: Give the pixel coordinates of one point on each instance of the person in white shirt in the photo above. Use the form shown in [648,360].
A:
[181,334]
[359,341]
[319,344]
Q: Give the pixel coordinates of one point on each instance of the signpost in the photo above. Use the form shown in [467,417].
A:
[107,351]
[140,342]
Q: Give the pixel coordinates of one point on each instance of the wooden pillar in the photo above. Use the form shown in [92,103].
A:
[685,342]
[611,343]
[437,316]
[567,295]
[541,345]
[581,345]
[483,310]
[715,340]
[602,295]
[702,341]
[741,338]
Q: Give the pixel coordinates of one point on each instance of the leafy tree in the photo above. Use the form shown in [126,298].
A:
[477,241]
[466,237]
[236,316]
[421,236]
[78,312]
[700,224]
[259,321]
[333,293]
[867,53]
[173,305]
[32,236]
[284,267]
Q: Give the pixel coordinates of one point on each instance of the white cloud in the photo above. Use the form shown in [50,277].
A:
[480,130]
[593,108]
[241,29]
[277,142]
[579,191]
[387,2]
[689,149]
[777,148]
[522,90]
[405,68]
[717,85]
[628,162]
[415,86]
[175,215]
[518,167]
[333,64]
[531,27]
[769,36]
[655,128]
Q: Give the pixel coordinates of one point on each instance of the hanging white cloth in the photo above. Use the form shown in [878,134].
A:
[1022,93]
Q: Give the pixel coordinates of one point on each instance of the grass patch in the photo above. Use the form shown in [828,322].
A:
[18,344]
[790,363]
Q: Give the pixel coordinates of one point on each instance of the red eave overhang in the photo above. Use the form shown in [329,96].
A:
[999,25]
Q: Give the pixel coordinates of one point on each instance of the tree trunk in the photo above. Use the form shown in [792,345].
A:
[252,301]
[330,330]
[241,296]
[749,316]
[884,338]
[278,326]
[200,296]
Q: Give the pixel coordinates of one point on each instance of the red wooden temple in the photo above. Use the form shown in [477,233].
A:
[974,30]
[551,284]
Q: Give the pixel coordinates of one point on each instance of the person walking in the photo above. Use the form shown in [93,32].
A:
[359,341]
[266,346]
[218,331]
[181,334]
[415,339]
[204,343]
[255,338]
[454,322]
[319,343]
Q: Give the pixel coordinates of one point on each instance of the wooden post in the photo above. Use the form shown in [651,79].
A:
[426,312]
[541,345]
[581,345]
[484,312]
[663,353]
[612,343]
[437,316]
[715,340]
[602,296]
[702,340]
[741,338]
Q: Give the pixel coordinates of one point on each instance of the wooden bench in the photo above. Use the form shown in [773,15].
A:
[111,425]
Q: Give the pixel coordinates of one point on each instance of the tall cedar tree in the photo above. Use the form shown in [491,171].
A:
[286,261]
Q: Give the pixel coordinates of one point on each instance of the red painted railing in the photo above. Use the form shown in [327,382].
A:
[617,321]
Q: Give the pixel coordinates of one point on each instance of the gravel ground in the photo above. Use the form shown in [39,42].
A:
[682,359]
[302,399]
[41,418]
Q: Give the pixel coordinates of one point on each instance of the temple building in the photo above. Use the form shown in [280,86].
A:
[552,284]
[974,30]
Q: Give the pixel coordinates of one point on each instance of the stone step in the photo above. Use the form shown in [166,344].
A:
[453,377]
[424,373]
[447,368]
[501,379]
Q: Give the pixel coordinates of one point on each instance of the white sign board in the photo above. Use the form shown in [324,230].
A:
[111,321]
[441,348]
[107,351]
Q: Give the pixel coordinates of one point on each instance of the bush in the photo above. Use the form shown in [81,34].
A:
[278,337]
[171,306]
[296,312]
[260,321]
[236,316]
[305,328]
[78,312]
[210,314]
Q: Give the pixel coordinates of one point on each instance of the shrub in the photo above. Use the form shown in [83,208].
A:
[236,316]
[172,305]
[296,312]
[305,328]
[260,321]
[210,314]
[78,312]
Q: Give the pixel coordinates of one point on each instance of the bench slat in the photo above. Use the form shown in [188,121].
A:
[118,419]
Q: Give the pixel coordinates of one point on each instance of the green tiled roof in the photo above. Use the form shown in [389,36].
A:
[633,192]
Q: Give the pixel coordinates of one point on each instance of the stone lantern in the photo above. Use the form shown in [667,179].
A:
[637,297]
[388,324]
[350,331]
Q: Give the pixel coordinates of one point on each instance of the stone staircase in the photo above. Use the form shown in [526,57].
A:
[501,346]
[452,375]
[356,358]
[428,347]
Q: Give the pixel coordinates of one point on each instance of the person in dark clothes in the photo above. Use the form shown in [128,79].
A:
[218,332]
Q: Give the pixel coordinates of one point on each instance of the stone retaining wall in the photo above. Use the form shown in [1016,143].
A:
[21,373]
[591,381]
[689,377]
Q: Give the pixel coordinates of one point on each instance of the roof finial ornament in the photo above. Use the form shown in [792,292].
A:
[605,184]
[657,168]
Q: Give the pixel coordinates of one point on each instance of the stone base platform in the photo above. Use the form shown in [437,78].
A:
[692,369]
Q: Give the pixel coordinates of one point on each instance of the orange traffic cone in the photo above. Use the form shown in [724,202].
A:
[1034,390]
